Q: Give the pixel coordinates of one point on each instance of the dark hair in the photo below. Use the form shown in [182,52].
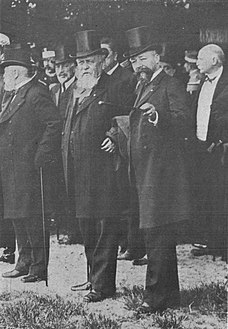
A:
[110,42]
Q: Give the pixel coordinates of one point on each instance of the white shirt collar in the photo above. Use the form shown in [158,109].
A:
[113,69]
[68,83]
[21,84]
[155,74]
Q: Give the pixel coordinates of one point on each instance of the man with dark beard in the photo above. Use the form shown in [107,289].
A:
[158,126]
[96,197]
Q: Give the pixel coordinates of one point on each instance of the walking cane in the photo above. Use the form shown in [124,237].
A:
[43,222]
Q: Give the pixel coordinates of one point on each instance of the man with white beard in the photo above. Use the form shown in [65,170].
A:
[96,197]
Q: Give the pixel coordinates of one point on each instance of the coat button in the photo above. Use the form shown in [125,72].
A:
[145,147]
[63,133]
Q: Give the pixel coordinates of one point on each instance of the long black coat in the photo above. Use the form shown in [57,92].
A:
[95,182]
[30,134]
[157,153]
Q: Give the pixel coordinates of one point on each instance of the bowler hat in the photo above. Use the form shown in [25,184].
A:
[63,54]
[17,54]
[140,39]
[88,44]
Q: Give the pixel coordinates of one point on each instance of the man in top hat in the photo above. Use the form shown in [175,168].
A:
[158,124]
[211,137]
[129,242]
[65,73]
[96,196]
[7,236]
[192,70]
[30,134]
[61,92]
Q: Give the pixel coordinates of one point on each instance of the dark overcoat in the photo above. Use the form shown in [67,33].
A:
[30,134]
[95,182]
[62,103]
[157,153]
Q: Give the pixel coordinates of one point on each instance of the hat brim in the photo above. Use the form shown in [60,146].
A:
[99,51]
[137,51]
[63,61]
[13,63]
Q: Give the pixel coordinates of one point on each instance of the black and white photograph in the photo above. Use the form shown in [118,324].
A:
[113,164]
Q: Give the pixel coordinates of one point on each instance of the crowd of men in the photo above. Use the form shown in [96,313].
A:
[94,141]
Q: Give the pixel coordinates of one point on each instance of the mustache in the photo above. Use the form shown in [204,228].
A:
[143,73]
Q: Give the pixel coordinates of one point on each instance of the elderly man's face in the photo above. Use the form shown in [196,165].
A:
[205,61]
[90,66]
[64,71]
[9,78]
[146,63]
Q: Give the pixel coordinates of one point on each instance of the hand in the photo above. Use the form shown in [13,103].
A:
[108,145]
[148,109]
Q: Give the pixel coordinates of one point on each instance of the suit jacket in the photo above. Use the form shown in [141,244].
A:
[157,153]
[64,99]
[126,82]
[85,127]
[30,132]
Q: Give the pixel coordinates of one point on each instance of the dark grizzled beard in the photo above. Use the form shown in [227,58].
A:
[144,74]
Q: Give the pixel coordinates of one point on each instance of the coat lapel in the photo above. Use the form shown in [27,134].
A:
[143,96]
[16,103]
[222,83]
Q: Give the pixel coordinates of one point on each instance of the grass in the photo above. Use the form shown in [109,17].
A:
[29,310]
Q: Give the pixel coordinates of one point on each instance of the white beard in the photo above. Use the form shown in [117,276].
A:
[87,81]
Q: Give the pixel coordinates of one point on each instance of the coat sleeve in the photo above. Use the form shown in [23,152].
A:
[177,114]
[51,126]
[219,117]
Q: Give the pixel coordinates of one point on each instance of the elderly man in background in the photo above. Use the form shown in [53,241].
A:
[61,93]
[96,197]
[211,133]
[30,134]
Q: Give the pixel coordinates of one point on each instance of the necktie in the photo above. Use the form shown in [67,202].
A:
[209,79]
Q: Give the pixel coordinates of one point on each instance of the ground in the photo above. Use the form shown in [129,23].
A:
[68,267]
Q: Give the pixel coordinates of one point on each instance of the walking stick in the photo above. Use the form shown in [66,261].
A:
[43,222]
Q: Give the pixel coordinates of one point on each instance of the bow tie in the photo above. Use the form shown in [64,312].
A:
[210,79]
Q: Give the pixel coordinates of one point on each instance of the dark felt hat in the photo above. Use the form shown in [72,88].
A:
[63,54]
[88,44]
[140,39]
[17,54]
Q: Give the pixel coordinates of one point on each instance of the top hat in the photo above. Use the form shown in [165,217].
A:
[17,54]
[63,54]
[190,56]
[88,44]
[141,40]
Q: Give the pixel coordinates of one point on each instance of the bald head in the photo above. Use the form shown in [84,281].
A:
[210,58]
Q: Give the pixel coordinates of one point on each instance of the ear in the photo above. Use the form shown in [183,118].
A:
[157,57]
[214,60]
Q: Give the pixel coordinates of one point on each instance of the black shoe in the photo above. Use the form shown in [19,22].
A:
[200,252]
[140,261]
[7,258]
[83,286]
[33,278]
